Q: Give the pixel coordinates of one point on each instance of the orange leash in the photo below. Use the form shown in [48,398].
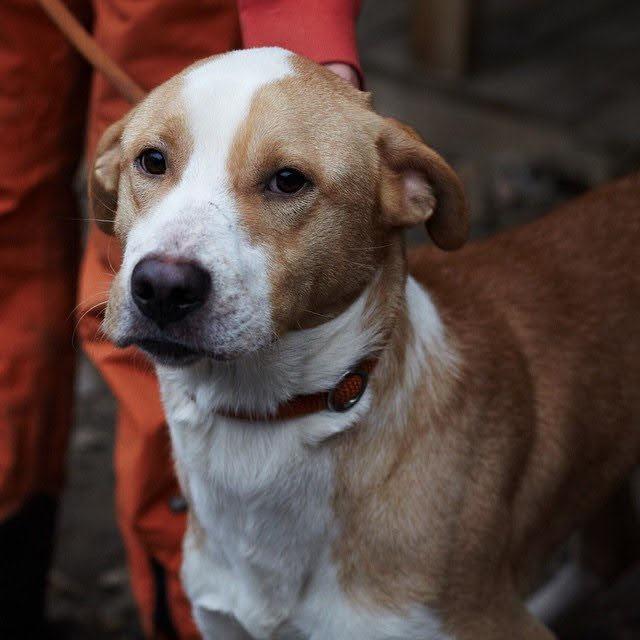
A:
[89,48]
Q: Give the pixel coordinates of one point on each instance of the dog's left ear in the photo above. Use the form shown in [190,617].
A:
[419,186]
[104,177]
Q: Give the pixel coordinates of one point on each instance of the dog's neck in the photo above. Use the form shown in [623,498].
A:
[381,321]
[237,474]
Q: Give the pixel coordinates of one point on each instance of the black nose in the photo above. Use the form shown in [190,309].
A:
[167,290]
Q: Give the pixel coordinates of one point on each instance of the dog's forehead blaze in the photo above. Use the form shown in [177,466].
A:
[191,117]
[218,94]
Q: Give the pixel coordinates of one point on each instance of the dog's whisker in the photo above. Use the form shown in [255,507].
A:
[89,299]
[372,248]
[113,270]
[322,315]
[89,310]
[88,219]
[107,207]
[367,267]
[81,318]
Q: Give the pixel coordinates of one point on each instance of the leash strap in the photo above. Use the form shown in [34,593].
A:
[91,50]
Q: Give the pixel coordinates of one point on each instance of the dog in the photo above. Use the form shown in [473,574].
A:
[373,444]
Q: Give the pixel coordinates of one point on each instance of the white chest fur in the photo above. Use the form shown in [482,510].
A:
[263,503]
[262,496]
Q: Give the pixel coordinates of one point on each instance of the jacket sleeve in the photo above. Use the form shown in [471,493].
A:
[323,30]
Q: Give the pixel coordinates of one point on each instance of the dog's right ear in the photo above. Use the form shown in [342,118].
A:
[105,176]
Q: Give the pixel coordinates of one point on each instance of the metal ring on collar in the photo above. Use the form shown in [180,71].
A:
[348,404]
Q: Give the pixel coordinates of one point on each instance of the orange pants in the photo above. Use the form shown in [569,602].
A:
[44,127]
[43,107]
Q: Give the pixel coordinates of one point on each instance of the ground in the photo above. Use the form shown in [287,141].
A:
[550,110]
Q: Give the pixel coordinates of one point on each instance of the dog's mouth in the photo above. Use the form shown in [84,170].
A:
[168,352]
[174,354]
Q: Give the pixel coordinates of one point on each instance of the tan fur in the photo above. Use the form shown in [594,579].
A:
[325,242]
[158,122]
[332,239]
[539,424]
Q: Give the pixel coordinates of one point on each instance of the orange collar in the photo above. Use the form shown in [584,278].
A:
[342,397]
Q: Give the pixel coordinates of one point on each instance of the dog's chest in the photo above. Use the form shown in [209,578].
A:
[261,499]
[259,548]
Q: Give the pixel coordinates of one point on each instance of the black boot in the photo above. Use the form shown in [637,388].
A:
[26,544]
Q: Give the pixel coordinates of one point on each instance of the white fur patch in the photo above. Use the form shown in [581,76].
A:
[326,613]
[199,218]
[263,492]
[429,354]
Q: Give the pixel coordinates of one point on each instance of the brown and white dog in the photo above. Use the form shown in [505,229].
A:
[261,203]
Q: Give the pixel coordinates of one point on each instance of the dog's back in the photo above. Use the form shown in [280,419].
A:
[553,309]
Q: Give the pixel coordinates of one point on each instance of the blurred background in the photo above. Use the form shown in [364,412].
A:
[533,102]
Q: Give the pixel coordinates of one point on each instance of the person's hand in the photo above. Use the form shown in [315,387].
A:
[346,72]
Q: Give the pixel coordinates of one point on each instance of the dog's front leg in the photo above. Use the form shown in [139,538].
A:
[214,625]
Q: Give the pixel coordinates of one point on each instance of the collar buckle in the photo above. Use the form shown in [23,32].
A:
[347,393]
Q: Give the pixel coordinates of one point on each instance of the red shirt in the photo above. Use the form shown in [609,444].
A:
[323,30]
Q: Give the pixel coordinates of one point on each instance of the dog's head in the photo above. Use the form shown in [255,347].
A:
[253,194]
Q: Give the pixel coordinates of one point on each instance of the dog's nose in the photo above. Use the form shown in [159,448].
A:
[167,290]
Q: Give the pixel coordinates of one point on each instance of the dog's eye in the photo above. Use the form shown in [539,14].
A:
[287,181]
[152,161]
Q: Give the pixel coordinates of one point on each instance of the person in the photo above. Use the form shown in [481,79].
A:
[48,114]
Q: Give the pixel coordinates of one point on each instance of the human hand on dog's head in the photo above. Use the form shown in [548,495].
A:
[346,72]
[269,185]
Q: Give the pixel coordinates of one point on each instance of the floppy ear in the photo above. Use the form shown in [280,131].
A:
[104,177]
[419,186]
